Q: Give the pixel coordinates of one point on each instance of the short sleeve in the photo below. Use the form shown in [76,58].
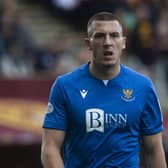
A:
[55,117]
[152,120]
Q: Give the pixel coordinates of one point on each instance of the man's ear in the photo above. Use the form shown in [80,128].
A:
[87,43]
[124,43]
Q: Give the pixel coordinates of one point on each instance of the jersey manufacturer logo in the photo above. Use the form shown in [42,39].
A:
[83,93]
[128,95]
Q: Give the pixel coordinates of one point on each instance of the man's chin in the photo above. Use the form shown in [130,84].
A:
[110,64]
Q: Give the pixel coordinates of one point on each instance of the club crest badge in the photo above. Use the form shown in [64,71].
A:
[127,95]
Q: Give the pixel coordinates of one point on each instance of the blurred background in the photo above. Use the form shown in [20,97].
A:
[41,39]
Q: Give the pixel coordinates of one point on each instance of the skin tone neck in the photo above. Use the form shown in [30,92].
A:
[103,72]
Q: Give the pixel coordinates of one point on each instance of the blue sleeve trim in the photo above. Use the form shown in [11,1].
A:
[152,132]
[52,125]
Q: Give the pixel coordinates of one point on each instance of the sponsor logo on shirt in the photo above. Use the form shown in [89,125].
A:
[98,120]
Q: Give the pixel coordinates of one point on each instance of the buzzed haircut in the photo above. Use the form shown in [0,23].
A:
[101,16]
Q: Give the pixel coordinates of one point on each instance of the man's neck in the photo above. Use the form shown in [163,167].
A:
[104,72]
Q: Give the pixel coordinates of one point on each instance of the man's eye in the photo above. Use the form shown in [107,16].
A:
[99,35]
[114,35]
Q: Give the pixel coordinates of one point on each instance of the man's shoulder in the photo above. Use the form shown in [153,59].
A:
[135,75]
[73,75]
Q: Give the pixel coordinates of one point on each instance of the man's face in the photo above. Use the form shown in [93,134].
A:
[106,42]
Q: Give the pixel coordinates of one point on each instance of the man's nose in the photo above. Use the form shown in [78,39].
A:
[107,40]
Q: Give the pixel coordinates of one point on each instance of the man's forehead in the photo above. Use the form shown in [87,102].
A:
[112,25]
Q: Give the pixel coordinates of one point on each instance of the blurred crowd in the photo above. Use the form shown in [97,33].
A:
[21,57]
[15,44]
[145,25]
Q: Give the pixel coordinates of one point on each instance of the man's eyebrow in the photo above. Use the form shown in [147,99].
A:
[111,33]
[115,33]
[98,33]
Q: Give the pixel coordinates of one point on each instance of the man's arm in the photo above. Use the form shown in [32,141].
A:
[52,141]
[153,147]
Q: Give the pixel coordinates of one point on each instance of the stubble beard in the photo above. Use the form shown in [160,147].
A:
[104,70]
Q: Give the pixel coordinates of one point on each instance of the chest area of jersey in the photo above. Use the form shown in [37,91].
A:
[104,108]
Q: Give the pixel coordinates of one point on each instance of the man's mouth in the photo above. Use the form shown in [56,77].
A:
[108,53]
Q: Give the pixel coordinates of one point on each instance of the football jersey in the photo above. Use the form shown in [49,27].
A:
[103,120]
